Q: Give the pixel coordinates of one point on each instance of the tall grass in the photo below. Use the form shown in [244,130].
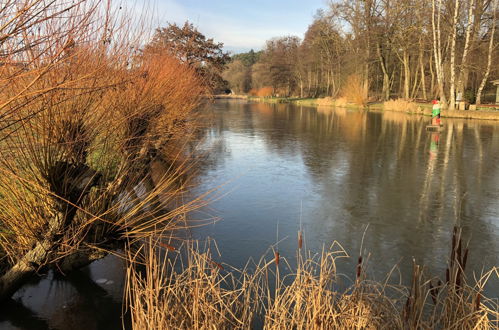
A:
[401,105]
[189,288]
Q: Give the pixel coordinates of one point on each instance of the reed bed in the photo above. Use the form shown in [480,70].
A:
[402,105]
[187,287]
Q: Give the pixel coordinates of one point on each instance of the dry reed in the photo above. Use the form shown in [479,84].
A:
[187,291]
[354,90]
[401,105]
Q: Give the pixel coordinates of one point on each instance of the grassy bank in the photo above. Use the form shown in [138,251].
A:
[192,289]
[481,112]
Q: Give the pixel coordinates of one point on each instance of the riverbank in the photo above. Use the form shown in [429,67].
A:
[485,112]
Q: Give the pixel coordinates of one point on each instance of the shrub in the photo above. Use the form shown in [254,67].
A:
[354,90]
[265,92]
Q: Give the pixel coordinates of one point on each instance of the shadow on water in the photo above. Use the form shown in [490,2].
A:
[87,299]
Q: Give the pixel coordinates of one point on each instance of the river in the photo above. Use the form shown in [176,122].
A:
[377,183]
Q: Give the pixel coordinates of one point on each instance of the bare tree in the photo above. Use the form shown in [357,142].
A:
[490,51]
[437,47]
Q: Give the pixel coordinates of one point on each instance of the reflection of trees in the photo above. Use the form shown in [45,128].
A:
[376,168]
[75,301]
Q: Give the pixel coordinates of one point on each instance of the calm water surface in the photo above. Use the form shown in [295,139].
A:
[340,174]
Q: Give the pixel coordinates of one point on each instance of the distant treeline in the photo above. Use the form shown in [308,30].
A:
[384,49]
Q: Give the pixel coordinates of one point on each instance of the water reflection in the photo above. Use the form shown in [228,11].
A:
[89,299]
[340,170]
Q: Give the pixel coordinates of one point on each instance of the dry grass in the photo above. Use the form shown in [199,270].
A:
[262,92]
[401,105]
[354,90]
[329,101]
[188,288]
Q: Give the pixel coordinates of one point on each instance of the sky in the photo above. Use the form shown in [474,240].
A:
[240,25]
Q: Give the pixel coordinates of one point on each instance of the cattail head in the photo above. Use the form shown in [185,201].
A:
[359,267]
[169,247]
[217,265]
[300,240]
[276,254]
[433,292]
[477,302]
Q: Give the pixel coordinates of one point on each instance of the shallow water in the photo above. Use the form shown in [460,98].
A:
[374,182]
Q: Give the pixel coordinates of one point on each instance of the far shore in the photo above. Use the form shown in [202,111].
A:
[486,112]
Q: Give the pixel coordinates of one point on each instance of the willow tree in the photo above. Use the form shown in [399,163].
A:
[80,134]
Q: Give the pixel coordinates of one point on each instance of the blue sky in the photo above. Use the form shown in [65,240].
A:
[240,25]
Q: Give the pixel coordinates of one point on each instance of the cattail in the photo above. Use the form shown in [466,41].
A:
[407,309]
[217,265]
[359,267]
[300,240]
[276,254]
[477,302]
[169,247]
[459,252]
[447,275]
[453,248]
[465,258]
[433,293]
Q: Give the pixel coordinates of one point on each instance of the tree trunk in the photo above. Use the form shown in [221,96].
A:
[437,49]
[407,74]
[386,78]
[78,181]
[489,57]
[432,74]
[422,71]
[452,87]
[32,261]
[463,71]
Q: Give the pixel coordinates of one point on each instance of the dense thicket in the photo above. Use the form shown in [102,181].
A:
[84,121]
[391,48]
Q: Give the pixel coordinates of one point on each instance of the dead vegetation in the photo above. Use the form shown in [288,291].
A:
[401,105]
[189,288]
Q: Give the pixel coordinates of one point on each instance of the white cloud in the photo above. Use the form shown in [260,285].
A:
[234,33]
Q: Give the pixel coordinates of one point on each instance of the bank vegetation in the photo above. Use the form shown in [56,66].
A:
[84,115]
[190,288]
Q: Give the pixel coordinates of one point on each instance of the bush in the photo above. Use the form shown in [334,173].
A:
[354,90]
[264,92]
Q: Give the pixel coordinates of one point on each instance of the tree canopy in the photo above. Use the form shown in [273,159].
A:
[192,47]
[384,49]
